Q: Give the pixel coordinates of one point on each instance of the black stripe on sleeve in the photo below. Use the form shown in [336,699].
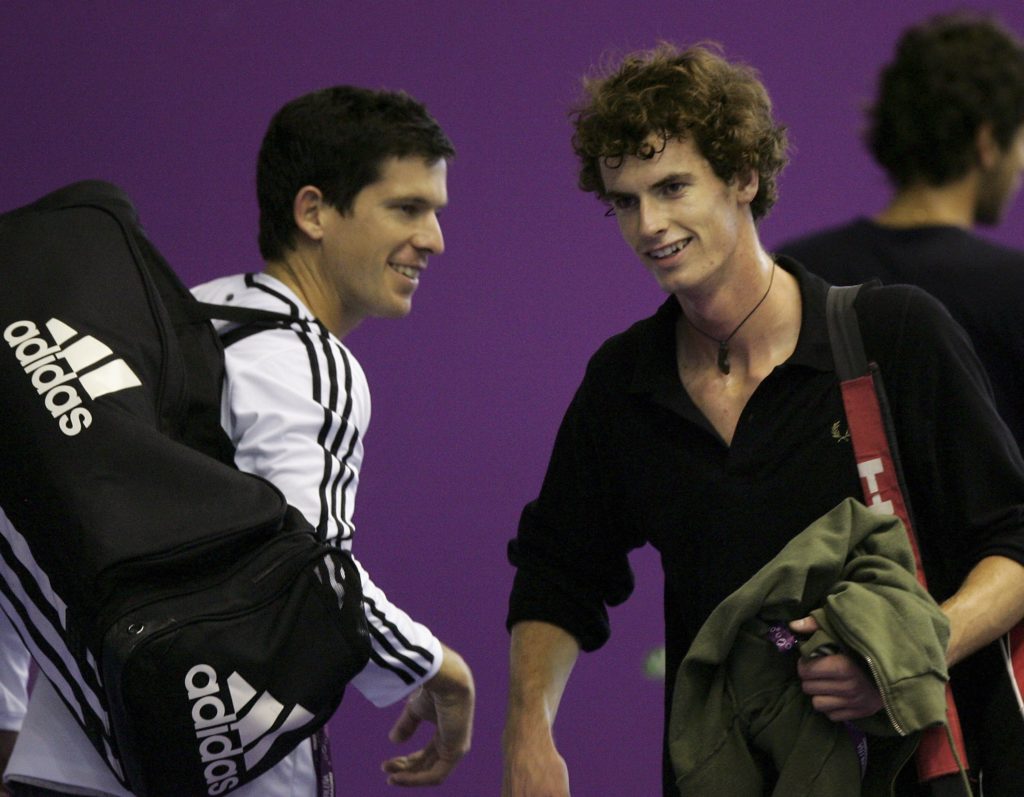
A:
[409,648]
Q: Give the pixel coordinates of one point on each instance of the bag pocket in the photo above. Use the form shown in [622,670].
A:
[211,687]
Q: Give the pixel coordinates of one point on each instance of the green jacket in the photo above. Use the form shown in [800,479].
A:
[740,724]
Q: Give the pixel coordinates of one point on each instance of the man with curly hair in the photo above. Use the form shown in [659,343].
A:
[714,430]
[948,128]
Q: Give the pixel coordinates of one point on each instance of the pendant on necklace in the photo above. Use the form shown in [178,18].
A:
[723,357]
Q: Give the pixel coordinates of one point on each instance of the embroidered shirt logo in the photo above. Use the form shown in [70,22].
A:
[839,434]
[242,736]
[88,364]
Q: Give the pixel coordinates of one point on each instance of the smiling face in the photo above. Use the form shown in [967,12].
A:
[372,257]
[684,223]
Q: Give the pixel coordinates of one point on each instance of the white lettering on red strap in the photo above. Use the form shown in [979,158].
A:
[869,471]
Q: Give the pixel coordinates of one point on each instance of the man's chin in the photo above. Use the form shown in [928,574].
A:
[397,310]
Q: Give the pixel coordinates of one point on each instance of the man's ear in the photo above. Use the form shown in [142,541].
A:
[747,185]
[986,147]
[307,211]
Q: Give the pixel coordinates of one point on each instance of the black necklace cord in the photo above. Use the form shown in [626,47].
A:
[723,343]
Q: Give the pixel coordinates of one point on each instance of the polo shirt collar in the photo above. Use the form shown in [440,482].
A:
[655,369]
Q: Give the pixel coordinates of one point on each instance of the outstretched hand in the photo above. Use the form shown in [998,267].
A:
[446,701]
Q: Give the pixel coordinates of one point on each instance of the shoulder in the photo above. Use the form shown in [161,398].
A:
[303,350]
[218,290]
[874,294]
[892,307]
[907,324]
[990,255]
[304,347]
[257,291]
[619,354]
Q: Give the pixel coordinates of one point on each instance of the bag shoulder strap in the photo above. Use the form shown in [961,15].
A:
[241,315]
[868,416]
[941,757]
[250,319]
[844,332]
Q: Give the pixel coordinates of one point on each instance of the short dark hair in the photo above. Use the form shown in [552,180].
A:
[722,107]
[336,140]
[950,75]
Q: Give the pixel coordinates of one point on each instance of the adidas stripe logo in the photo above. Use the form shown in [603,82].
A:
[241,737]
[39,358]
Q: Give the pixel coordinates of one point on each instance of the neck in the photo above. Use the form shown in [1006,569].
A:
[719,303]
[753,320]
[927,205]
[297,271]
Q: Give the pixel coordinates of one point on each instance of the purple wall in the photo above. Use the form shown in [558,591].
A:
[171,100]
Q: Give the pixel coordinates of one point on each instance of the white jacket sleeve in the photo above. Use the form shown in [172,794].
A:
[296,405]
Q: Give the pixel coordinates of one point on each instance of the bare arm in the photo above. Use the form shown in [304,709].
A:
[987,605]
[541,660]
[447,700]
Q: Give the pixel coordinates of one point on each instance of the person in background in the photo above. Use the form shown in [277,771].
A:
[947,127]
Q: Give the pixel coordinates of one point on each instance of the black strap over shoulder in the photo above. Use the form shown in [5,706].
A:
[851,361]
[243,315]
[250,319]
[844,332]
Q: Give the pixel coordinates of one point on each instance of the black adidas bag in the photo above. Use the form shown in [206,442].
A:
[189,618]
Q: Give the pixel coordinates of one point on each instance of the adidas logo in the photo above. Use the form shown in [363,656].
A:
[56,384]
[241,737]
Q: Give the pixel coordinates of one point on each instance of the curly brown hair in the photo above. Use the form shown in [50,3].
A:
[951,74]
[695,94]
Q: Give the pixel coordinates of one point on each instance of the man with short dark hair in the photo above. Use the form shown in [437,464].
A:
[947,127]
[709,430]
[350,182]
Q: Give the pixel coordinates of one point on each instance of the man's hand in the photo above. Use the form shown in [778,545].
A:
[446,700]
[839,687]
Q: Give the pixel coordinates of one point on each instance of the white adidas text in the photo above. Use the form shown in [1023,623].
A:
[242,736]
[59,373]
[212,723]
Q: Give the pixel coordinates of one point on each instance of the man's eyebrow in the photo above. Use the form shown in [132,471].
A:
[669,179]
[415,199]
[676,177]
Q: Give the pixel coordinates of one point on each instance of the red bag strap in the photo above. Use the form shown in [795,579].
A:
[874,448]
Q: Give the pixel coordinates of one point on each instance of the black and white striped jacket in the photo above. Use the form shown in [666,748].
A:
[296,405]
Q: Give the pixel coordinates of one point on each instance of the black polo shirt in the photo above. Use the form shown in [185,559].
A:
[636,462]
